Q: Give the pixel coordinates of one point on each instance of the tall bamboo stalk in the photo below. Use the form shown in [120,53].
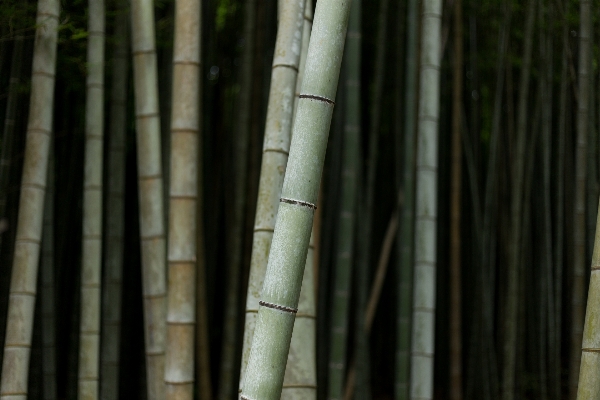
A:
[23,285]
[406,231]
[456,392]
[578,294]
[91,257]
[281,288]
[422,341]
[152,229]
[114,246]
[344,260]
[511,319]
[300,380]
[47,289]
[275,156]
[181,310]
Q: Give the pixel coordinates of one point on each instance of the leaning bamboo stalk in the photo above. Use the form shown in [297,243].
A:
[275,156]
[111,301]
[578,294]
[47,288]
[91,257]
[17,346]
[300,380]
[281,288]
[181,310]
[152,230]
[422,341]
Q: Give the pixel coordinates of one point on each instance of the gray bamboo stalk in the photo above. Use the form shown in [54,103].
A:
[19,327]
[422,341]
[300,379]
[406,231]
[344,259]
[578,293]
[91,257]
[111,302]
[281,288]
[589,381]
[514,259]
[181,310]
[275,156]
[152,229]
[47,288]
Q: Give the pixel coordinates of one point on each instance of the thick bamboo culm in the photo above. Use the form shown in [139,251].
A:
[91,257]
[114,246]
[283,279]
[19,327]
[275,156]
[423,332]
[183,193]
[151,195]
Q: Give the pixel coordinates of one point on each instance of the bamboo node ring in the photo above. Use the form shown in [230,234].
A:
[278,307]
[242,397]
[298,202]
[319,98]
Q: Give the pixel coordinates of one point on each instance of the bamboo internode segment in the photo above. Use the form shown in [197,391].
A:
[17,347]
[152,231]
[278,129]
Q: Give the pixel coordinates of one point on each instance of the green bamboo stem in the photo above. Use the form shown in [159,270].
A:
[406,231]
[422,341]
[300,379]
[111,301]
[181,302]
[275,156]
[578,294]
[47,289]
[281,288]
[19,327]
[589,381]
[344,259]
[151,195]
[91,257]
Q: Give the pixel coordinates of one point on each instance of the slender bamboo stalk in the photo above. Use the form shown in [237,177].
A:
[275,156]
[589,381]
[511,314]
[19,327]
[281,289]
[578,294]
[91,257]
[181,310]
[422,342]
[406,231]
[152,230]
[344,260]
[47,288]
[456,391]
[111,302]
[300,379]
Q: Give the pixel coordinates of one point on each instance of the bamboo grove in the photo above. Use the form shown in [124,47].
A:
[300,199]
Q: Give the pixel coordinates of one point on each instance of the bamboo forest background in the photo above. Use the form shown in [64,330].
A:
[518,180]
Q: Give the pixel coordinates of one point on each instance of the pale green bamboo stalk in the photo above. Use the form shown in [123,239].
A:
[151,195]
[91,257]
[281,288]
[17,345]
[423,330]
[300,379]
[406,231]
[47,288]
[181,302]
[111,301]
[275,156]
[578,294]
[589,380]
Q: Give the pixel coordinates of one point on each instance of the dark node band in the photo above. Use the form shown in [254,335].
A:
[298,202]
[319,98]
[278,307]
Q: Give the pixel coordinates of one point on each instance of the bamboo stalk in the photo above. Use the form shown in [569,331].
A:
[17,346]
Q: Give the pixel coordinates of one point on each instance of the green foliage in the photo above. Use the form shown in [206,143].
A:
[225,10]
